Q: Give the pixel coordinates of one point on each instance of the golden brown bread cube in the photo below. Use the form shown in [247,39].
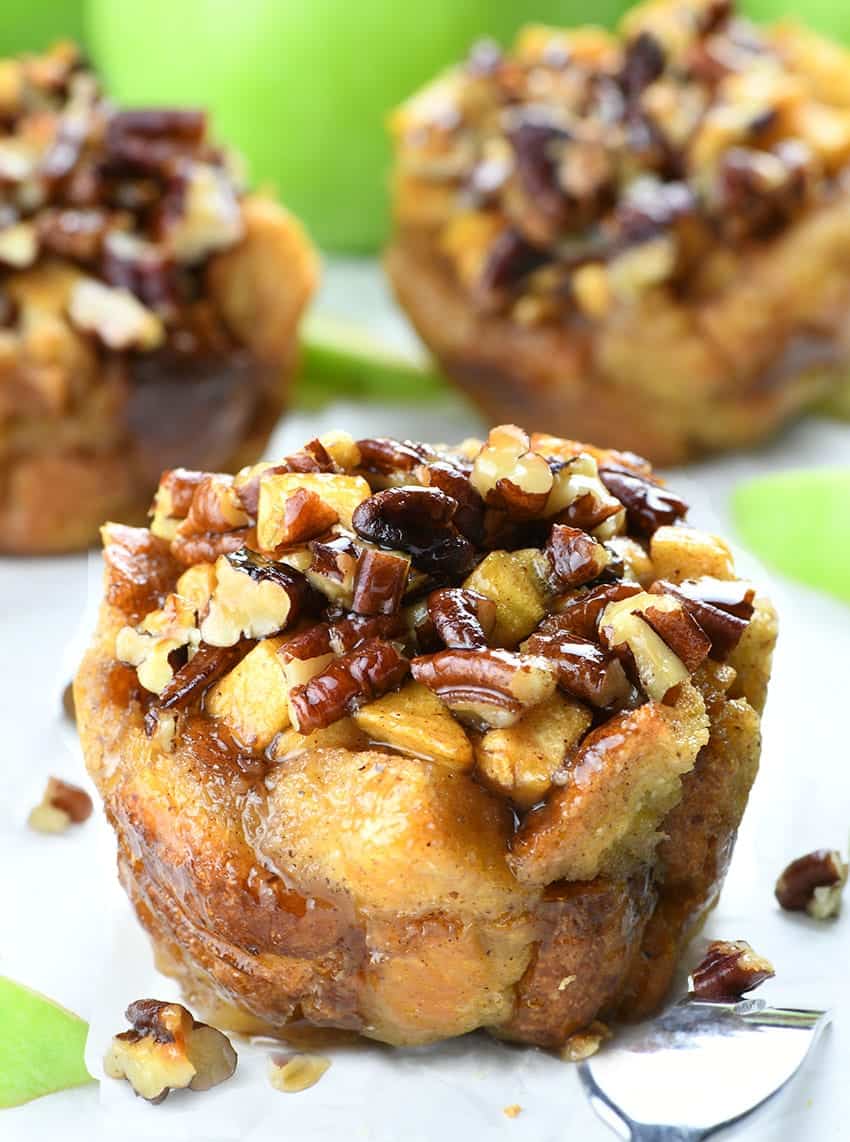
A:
[400,822]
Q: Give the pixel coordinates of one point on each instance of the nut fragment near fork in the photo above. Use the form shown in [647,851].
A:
[687,1074]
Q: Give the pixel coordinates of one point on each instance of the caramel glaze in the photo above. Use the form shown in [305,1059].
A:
[259,952]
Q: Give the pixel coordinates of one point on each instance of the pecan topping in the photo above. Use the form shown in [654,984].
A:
[681,632]
[332,568]
[61,806]
[386,456]
[305,515]
[462,618]
[380,582]
[360,676]
[253,597]
[575,557]
[488,687]
[722,608]
[728,971]
[206,666]
[813,883]
[583,668]
[469,517]
[508,475]
[168,1050]
[648,506]
[420,522]
[313,457]
[580,612]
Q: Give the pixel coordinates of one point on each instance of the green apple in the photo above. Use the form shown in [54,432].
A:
[27,25]
[303,87]
[827,16]
[41,1045]
[798,523]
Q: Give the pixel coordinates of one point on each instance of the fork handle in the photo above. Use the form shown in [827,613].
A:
[643,1133]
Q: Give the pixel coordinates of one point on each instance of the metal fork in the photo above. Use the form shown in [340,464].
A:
[697,1067]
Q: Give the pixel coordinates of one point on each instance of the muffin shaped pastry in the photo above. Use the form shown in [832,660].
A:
[148,307]
[412,740]
[643,238]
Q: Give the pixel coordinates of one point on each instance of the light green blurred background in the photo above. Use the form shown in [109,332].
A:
[303,87]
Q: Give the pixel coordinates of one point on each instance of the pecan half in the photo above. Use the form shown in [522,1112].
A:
[418,521]
[729,969]
[574,556]
[166,1050]
[583,668]
[360,676]
[648,506]
[380,582]
[813,883]
[722,608]
[462,618]
[486,687]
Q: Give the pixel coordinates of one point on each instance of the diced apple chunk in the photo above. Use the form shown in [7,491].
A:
[507,579]
[415,721]
[341,493]
[679,553]
[520,761]
[343,734]
[252,699]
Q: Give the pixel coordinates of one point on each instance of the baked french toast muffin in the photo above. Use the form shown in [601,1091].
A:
[411,740]
[641,237]
[141,292]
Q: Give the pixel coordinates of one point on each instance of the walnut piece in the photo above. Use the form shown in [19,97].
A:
[294,1073]
[149,646]
[729,969]
[813,883]
[253,597]
[168,1050]
[61,806]
[508,475]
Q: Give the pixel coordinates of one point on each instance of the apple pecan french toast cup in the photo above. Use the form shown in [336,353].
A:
[148,307]
[412,740]
[643,237]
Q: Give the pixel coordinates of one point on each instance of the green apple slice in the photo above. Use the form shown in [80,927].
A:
[41,1045]
[799,523]
[339,360]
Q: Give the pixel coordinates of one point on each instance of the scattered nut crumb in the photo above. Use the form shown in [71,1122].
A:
[813,883]
[61,806]
[565,982]
[512,1111]
[168,1050]
[68,702]
[729,969]
[294,1073]
[586,1042]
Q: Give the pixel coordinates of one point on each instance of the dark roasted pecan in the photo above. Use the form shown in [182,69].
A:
[463,619]
[387,456]
[644,62]
[579,613]
[69,798]
[813,883]
[190,682]
[313,457]
[332,568]
[380,582]
[538,145]
[681,632]
[761,191]
[469,517]
[75,234]
[510,259]
[582,668]
[152,140]
[360,676]
[485,687]
[418,521]
[148,271]
[648,506]
[728,971]
[723,608]
[177,486]
[574,556]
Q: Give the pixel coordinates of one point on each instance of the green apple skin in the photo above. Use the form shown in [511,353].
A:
[303,87]
[41,1045]
[831,17]
[30,25]
[798,523]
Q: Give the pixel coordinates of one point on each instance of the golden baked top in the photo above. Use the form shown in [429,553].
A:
[119,209]
[584,167]
[492,605]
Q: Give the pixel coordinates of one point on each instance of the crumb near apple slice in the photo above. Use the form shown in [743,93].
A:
[41,1045]
[798,523]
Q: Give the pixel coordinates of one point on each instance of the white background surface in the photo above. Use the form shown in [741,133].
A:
[66,929]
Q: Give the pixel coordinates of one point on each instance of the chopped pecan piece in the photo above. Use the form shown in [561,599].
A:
[61,806]
[386,456]
[813,883]
[469,517]
[360,676]
[419,521]
[462,618]
[304,515]
[574,556]
[729,970]
[332,569]
[508,475]
[294,1073]
[380,582]
[722,608]
[581,612]
[168,1050]
[648,506]
[253,597]
[215,507]
[680,631]
[313,457]
[205,667]
[486,687]
[583,668]
[173,500]
[115,316]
